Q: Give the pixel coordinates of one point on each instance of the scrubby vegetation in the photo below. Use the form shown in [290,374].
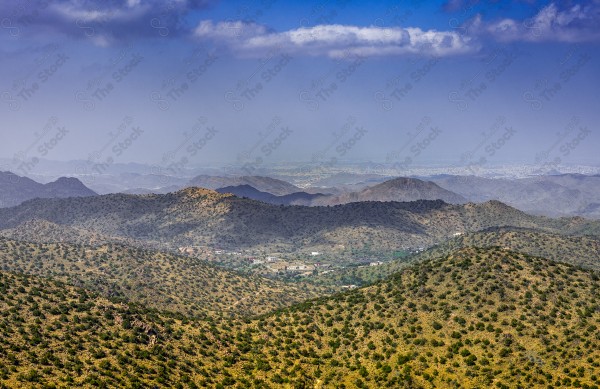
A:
[475,318]
[200,217]
[577,250]
[160,280]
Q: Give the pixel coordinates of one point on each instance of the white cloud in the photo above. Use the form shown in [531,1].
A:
[578,23]
[335,40]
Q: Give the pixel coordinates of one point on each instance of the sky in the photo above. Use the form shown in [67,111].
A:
[254,83]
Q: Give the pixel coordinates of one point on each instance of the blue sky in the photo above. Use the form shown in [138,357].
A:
[186,83]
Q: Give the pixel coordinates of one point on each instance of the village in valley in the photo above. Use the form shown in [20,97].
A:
[298,265]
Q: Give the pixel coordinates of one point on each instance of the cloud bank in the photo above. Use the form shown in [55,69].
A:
[575,24]
[105,22]
[335,40]
[552,23]
[102,22]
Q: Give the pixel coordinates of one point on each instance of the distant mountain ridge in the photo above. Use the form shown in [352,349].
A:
[15,189]
[397,189]
[196,216]
[264,184]
[296,198]
[549,195]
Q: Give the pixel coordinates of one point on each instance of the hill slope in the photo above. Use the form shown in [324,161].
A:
[203,217]
[187,285]
[582,251]
[476,318]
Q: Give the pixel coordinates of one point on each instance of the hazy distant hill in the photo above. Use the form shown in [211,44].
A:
[15,189]
[557,195]
[161,190]
[397,189]
[297,198]
[204,217]
[138,183]
[263,184]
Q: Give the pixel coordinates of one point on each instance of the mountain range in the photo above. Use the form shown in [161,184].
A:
[398,189]
[549,195]
[193,217]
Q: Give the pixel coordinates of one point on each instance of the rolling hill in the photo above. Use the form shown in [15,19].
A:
[582,251]
[474,318]
[160,280]
[297,198]
[193,217]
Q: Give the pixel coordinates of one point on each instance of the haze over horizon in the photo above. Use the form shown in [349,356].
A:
[186,83]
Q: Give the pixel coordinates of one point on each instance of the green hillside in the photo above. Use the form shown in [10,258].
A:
[476,318]
[187,285]
[200,217]
[577,250]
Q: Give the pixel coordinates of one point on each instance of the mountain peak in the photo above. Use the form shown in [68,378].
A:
[409,189]
[15,189]
[194,192]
